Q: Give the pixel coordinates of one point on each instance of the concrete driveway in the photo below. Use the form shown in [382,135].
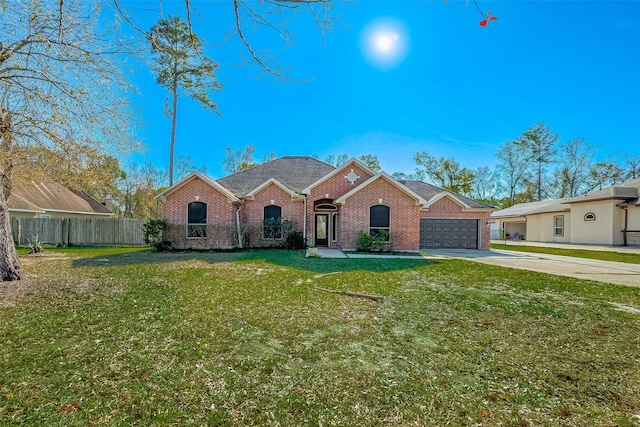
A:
[581,268]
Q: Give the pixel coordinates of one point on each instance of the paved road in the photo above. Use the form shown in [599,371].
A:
[581,268]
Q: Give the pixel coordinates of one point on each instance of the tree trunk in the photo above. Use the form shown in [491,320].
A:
[10,268]
[174,118]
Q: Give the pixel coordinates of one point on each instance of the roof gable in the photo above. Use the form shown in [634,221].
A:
[448,195]
[293,172]
[337,171]
[433,194]
[211,182]
[266,184]
[383,175]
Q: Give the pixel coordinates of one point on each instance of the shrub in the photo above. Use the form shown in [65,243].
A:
[35,245]
[372,243]
[153,230]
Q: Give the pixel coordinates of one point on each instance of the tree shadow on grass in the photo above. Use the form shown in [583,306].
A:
[286,258]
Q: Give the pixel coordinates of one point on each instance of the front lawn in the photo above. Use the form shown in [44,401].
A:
[122,336]
[627,257]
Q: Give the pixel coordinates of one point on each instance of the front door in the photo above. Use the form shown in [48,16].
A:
[322,230]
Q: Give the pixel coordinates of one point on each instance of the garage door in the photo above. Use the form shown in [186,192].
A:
[448,233]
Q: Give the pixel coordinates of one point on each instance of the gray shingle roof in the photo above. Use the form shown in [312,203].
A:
[53,196]
[624,190]
[427,191]
[294,172]
[522,209]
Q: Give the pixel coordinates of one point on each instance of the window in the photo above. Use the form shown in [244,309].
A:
[334,228]
[558,225]
[272,224]
[379,220]
[197,219]
[590,216]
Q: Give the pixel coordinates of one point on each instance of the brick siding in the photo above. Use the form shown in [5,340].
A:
[448,208]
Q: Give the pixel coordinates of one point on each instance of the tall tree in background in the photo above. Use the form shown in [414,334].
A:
[60,87]
[485,185]
[513,168]
[632,166]
[181,67]
[336,159]
[371,161]
[575,162]
[539,143]
[604,174]
[446,172]
[185,165]
[238,160]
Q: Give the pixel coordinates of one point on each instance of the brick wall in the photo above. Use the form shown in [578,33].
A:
[448,208]
[219,212]
[333,188]
[405,215]
[252,213]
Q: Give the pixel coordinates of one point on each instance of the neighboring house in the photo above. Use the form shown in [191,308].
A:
[610,216]
[53,200]
[328,205]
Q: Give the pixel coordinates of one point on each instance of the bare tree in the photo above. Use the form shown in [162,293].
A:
[513,168]
[632,166]
[238,160]
[576,161]
[60,87]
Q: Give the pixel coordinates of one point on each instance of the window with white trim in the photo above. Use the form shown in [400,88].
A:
[558,225]
[589,216]
[334,227]
[272,222]
[380,221]
[197,220]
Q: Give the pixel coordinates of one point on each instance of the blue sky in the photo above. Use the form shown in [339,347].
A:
[454,89]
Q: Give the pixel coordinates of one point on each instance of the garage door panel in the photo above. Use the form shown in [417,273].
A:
[448,233]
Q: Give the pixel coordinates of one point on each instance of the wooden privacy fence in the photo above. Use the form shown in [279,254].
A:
[78,231]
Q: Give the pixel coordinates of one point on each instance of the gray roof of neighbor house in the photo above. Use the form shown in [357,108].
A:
[427,191]
[624,190]
[52,196]
[294,172]
[522,209]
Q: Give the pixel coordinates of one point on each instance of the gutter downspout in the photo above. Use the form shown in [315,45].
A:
[238,226]
[626,223]
[304,222]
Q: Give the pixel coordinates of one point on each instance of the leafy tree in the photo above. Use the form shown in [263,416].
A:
[239,160]
[604,174]
[61,88]
[418,175]
[371,161]
[446,172]
[180,65]
[538,142]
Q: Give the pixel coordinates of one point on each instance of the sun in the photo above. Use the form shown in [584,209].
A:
[385,43]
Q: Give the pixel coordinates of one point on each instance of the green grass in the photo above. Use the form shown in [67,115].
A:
[131,337]
[627,257]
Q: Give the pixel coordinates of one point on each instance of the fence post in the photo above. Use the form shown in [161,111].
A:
[64,239]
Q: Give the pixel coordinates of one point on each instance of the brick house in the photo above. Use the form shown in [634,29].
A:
[328,205]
